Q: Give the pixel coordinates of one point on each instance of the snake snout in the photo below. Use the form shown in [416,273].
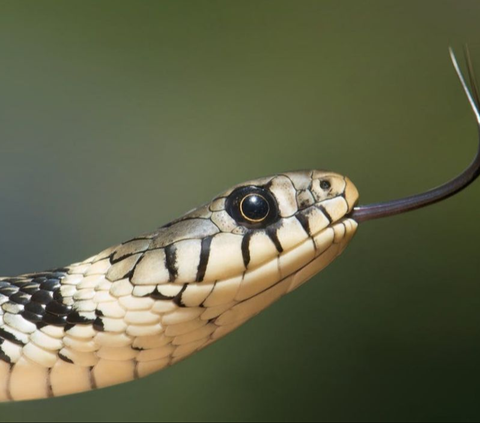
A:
[351,194]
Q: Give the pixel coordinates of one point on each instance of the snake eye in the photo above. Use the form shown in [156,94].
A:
[325,185]
[252,206]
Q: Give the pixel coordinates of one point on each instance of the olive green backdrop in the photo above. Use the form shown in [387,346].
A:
[118,116]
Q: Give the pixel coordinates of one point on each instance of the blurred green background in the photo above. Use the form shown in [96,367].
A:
[118,116]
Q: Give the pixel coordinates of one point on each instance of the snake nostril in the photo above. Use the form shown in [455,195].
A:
[325,185]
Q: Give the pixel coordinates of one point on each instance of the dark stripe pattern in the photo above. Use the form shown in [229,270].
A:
[37,298]
[272,234]
[204,256]
[246,248]
[171,262]
[325,213]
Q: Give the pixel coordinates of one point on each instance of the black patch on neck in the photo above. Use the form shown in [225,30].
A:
[10,337]
[98,324]
[75,318]
[39,299]
[5,357]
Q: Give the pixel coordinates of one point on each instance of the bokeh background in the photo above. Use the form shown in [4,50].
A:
[118,116]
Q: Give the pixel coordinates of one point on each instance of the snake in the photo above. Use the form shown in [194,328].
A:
[150,302]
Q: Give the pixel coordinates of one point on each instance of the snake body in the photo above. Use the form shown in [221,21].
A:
[147,303]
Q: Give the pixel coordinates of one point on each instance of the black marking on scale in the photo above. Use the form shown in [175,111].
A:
[171,262]
[204,255]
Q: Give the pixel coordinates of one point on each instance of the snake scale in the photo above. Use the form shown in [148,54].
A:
[149,302]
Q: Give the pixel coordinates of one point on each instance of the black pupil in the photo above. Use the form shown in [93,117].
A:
[255,207]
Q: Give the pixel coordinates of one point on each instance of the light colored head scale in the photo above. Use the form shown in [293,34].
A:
[149,302]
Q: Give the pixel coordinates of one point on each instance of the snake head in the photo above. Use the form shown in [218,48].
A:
[258,234]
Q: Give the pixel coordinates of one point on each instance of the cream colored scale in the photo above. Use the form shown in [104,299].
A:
[145,304]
